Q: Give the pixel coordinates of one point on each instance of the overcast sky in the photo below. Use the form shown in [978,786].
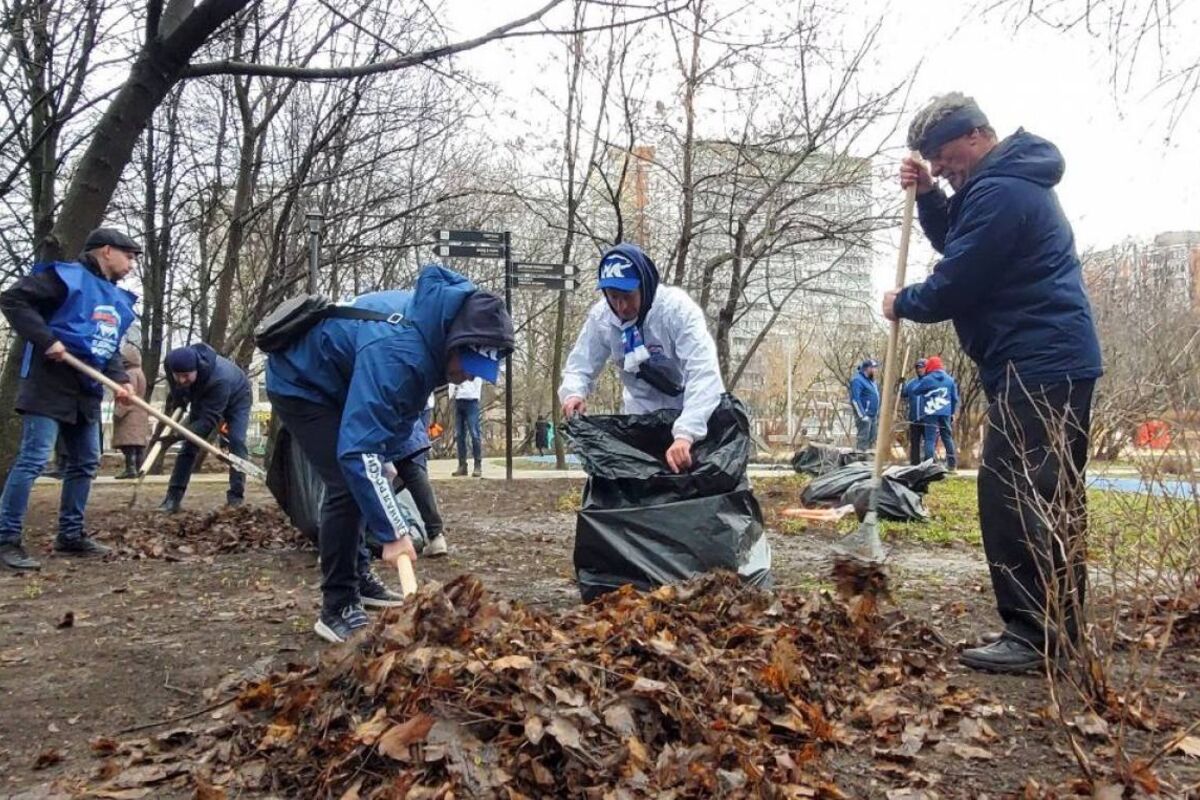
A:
[1123,177]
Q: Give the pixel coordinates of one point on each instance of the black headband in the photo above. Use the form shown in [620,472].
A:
[958,123]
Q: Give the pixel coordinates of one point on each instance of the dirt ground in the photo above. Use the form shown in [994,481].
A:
[152,640]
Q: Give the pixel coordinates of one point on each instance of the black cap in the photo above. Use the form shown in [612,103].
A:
[112,238]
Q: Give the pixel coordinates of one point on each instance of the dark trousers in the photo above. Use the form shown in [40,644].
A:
[237,415]
[466,420]
[935,427]
[315,428]
[1033,507]
[916,438]
[413,475]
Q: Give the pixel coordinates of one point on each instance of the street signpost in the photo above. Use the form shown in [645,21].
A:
[523,275]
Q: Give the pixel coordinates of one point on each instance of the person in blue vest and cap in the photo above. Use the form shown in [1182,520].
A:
[658,338]
[916,431]
[214,389]
[71,307]
[351,390]
[937,395]
[864,400]
[1011,282]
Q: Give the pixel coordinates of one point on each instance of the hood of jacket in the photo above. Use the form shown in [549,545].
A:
[1025,156]
[647,274]
[433,309]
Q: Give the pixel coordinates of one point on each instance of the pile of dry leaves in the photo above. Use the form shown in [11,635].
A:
[151,534]
[703,689]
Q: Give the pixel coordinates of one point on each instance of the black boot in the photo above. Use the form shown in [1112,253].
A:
[130,464]
[461,472]
[172,502]
[478,472]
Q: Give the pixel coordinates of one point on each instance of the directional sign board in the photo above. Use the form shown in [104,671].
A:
[470,250]
[529,268]
[520,281]
[488,237]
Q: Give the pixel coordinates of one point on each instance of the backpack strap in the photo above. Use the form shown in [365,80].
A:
[350,312]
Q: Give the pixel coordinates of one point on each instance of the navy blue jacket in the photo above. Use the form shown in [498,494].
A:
[909,393]
[864,395]
[378,374]
[220,385]
[1009,277]
[936,395]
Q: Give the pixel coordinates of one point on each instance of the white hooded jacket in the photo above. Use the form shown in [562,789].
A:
[675,328]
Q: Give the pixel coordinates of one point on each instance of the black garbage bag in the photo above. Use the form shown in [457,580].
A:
[644,525]
[817,459]
[896,501]
[299,490]
[900,491]
[295,484]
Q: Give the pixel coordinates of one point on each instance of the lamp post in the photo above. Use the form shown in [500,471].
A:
[314,247]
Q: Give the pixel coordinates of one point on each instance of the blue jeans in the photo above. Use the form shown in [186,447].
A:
[466,416]
[868,431]
[237,414]
[934,427]
[38,434]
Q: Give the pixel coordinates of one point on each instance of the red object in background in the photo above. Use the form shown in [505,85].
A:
[1154,434]
[435,430]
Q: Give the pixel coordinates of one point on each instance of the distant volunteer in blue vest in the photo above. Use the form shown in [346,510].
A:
[351,390]
[658,340]
[864,400]
[71,307]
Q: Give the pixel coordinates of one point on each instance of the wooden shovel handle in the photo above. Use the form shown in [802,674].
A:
[408,576]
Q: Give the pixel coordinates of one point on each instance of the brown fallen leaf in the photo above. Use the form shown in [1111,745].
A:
[1091,724]
[1189,746]
[963,750]
[619,718]
[103,746]
[394,743]
[512,662]
[47,758]
[564,731]
[67,621]
[1108,791]
[206,790]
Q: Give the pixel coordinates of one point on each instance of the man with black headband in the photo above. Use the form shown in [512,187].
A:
[1010,280]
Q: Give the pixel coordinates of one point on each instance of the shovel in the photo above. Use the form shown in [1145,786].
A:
[240,464]
[151,457]
[819,514]
[864,543]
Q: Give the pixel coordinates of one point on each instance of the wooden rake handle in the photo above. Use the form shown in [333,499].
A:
[408,576]
[240,464]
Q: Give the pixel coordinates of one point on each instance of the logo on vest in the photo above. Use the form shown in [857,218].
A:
[106,333]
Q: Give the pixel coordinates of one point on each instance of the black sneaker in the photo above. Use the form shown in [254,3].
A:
[171,504]
[375,593]
[337,627]
[83,546]
[234,502]
[14,556]
[126,475]
[1006,655]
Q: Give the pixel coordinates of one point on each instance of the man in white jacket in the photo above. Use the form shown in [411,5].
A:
[657,337]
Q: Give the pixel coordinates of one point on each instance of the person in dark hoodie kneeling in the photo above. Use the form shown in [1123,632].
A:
[351,390]
[1010,280]
[214,389]
[658,339]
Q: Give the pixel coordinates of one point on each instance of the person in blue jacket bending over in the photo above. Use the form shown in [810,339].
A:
[864,399]
[350,391]
[1011,282]
[937,398]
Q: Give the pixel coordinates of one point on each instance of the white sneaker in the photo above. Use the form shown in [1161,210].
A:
[436,547]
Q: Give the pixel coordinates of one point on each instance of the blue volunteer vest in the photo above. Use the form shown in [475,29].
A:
[91,321]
